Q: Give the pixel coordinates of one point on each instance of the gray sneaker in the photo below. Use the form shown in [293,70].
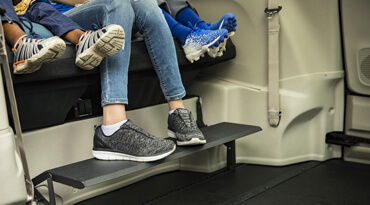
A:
[131,143]
[182,126]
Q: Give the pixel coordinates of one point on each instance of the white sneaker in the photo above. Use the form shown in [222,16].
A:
[95,45]
[30,53]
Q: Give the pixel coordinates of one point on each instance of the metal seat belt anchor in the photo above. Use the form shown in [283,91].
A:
[271,12]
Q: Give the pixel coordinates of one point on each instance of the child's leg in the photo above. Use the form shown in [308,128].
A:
[29,53]
[194,41]
[92,46]
[73,36]
[13,31]
[178,30]
[188,15]
[228,21]
[52,19]
[34,29]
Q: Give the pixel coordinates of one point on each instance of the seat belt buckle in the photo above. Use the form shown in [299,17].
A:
[271,12]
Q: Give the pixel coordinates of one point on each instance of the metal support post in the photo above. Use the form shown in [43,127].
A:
[231,156]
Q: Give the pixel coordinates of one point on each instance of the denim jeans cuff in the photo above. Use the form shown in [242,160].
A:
[114,101]
[176,97]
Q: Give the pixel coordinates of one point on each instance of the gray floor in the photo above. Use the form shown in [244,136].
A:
[330,182]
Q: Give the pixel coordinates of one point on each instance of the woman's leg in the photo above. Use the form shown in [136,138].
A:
[150,22]
[128,142]
[96,14]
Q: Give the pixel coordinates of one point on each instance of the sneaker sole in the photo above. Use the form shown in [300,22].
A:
[105,155]
[196,54]
[47,54]
[193,141]
[108,44]
[219,50]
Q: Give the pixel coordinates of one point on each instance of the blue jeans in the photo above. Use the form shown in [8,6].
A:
[145,17]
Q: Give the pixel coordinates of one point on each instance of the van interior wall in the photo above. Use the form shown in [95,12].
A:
[357,55]
[311,80]
[311,96]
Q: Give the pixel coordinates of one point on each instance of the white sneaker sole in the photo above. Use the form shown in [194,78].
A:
[193,141]
[105,155]
[107,45]
[194,55]
[219,50]
[52,52]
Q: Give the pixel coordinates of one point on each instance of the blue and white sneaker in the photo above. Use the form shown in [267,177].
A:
[228,21]
[30,53]
[218,50]
[199,42]
[95,45]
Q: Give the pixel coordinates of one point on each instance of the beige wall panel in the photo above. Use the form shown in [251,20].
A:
[356,33]
[311,80]
[311,105]
[309,38]
[358,116]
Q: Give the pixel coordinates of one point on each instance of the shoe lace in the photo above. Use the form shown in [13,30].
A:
[31,47]
[207,26]
[195,28]
[88,39]
[186,117]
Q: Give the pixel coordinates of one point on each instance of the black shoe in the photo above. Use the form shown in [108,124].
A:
[182,126]
[130,143]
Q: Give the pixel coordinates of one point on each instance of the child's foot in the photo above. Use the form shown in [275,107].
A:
[228,21]
[30,53]
[218,51]
[95,45]
[199,42]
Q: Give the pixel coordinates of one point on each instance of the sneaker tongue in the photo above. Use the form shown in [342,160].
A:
[185,116]
[132,125]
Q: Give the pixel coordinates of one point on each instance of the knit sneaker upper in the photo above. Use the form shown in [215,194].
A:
[133,141]
[183,125]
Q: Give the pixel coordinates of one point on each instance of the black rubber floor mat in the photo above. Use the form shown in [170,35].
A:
[330,182]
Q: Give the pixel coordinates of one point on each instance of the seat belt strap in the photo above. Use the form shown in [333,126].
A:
[272,12]
[14,108]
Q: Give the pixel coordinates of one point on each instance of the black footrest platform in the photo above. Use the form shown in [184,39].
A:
[93,171]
